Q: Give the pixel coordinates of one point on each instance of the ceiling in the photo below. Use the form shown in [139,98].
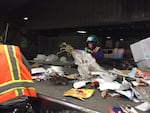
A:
[103,12]
[51,17]
[11,8]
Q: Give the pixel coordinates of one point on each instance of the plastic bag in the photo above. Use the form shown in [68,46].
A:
[86,63]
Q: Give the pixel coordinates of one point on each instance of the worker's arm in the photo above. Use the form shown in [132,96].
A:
[98,55]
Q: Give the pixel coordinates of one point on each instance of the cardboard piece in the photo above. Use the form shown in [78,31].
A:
[141,53]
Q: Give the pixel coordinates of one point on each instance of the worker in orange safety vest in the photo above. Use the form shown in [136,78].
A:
[15,77]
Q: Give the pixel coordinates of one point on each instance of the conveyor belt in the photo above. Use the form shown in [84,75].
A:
[96,102]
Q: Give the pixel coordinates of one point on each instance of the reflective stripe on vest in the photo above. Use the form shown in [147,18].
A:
[17,85]
[89,50]
[97,48]
[13,62]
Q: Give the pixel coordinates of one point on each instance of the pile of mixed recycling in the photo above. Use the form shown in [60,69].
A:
[135,85]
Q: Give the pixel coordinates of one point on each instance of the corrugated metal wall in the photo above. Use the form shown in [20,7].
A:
[79,13]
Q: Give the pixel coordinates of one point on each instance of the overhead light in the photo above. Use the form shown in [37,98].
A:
[25,18]
[81,31]
[121,39]
[108,37]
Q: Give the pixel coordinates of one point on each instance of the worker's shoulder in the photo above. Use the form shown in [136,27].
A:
[98,48]
[11,45]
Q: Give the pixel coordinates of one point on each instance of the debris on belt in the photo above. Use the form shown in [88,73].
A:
[133,85]
[56,76]
[79,93]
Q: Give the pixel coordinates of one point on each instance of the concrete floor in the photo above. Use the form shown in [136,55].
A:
[96,102]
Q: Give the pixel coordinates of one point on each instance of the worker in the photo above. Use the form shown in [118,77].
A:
[93,48]
[16,83]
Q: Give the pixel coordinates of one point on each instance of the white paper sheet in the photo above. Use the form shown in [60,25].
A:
[143,107]
[37,70]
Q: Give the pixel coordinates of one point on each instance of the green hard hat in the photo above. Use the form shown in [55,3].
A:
[92,38]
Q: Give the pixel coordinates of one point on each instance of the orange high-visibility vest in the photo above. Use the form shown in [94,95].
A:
[15,79]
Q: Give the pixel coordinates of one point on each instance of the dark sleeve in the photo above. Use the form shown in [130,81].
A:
[98,55]
[25,62]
